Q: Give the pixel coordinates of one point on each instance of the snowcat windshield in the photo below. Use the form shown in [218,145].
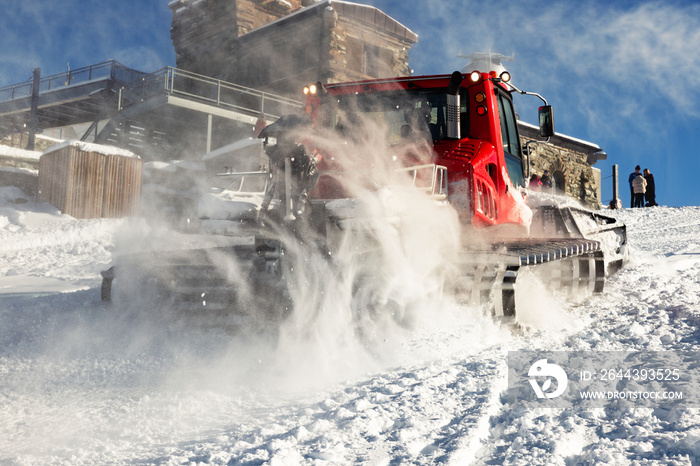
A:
[406,116]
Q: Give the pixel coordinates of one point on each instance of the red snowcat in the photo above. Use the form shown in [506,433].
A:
[330,190]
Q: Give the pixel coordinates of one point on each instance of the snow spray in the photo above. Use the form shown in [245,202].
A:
[382,280]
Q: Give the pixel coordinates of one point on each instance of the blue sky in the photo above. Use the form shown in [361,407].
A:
[624,75]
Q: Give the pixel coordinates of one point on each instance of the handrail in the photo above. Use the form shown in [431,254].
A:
[137,86]
[240,179]
[111,69]
[438,178]
[214,91]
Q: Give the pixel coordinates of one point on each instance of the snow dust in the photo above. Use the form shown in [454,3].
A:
[544,309]
[82,383]
[86,384]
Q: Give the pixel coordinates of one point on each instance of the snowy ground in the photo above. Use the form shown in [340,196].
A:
[85,384]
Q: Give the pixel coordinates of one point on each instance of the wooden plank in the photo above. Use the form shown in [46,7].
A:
[90,184]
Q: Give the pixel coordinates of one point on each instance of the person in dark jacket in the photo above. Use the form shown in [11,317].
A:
[546,181]
[633,175]
[650,194]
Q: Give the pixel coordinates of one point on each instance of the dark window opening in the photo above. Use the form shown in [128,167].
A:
[368,59]
[559,182]
[492,171]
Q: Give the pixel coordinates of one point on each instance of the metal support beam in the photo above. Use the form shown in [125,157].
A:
[616,203]
[126,131]
[210,120]
[34,112]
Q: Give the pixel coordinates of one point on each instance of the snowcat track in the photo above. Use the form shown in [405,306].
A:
[206,279]
[489,275]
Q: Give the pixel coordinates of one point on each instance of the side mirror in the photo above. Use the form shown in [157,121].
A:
[546,117]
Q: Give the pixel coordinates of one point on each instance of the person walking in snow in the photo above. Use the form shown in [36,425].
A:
[633,176]
[546,181]
[639,186]
[650,195]
[535,183]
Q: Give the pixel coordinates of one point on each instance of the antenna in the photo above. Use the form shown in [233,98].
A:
[486,61]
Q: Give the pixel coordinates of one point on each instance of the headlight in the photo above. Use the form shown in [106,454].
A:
[312,89]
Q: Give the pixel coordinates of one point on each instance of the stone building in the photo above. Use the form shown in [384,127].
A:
[282,45]
[569,161]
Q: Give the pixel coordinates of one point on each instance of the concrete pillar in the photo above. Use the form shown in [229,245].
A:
[210,124]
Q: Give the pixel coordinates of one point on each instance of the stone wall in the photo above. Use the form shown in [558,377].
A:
[258,43]
[569,169]
[283,58]
[352,41]
[205,31]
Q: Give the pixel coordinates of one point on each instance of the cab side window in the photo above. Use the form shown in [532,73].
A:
[511,141]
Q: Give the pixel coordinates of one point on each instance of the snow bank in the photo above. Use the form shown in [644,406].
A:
[42,249]
[92,147]
[22,171]
[7,151]
[85,384]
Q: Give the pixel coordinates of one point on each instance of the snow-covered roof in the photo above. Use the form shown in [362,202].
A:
[13,152]
[583,146]
[26,171]
[92,147]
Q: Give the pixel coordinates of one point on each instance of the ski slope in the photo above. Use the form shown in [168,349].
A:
[82,383]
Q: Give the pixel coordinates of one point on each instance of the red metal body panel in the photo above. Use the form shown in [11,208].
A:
[476,164]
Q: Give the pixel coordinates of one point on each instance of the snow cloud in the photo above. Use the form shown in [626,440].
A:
[652,49]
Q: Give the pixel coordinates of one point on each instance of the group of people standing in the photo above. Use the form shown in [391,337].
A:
[543,182]
[642,188]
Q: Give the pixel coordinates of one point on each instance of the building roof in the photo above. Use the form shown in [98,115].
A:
[593,151]
[366,14]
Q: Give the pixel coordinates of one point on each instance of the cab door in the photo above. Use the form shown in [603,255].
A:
[511,140]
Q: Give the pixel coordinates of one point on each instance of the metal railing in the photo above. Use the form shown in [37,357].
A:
[245,183]
[208,90]
[430,178]
[110,69]
[137,86]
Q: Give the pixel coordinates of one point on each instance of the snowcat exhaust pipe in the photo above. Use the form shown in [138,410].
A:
[453,106]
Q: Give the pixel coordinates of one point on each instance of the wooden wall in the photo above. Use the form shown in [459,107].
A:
[90,184]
